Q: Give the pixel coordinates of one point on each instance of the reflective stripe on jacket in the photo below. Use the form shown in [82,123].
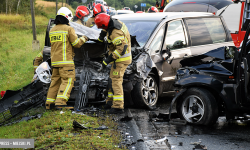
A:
[62,38]
[118,39]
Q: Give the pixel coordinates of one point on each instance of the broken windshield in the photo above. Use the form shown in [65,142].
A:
[141,29]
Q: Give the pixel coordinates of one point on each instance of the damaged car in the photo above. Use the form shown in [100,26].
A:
[149,76]
[214,84]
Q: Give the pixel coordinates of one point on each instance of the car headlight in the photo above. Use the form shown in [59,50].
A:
[43,72]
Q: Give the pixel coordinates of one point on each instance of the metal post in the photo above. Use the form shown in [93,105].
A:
[35,42]
[56,6]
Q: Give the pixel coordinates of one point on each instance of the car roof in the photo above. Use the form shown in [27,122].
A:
[159,16]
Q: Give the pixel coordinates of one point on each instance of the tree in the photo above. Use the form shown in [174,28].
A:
[17,6]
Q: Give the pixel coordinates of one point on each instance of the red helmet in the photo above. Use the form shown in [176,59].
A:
[102,20]
[99,8]
[82,11]
[139,12]
[152,9]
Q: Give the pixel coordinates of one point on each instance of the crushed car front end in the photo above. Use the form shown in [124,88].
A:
[205,87]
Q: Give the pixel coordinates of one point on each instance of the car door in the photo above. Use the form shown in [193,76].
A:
[176,40]
[49,26]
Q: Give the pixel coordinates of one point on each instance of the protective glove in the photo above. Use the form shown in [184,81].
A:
[107,61]
[85,37]
[102,35]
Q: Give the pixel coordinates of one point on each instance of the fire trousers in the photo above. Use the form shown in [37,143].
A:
[62,82]
[116,76]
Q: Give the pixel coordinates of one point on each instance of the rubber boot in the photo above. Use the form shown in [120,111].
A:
[49,105]
[62,104]
[107,105]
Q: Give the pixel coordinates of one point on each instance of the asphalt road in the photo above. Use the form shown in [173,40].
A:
[221,136]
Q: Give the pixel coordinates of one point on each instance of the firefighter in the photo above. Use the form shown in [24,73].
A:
[63,38]
[119,55]
[81,16]
[99,8]
[152,9]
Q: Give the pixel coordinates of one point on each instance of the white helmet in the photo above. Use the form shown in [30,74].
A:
[64,11]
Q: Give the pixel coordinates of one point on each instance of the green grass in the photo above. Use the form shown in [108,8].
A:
[47,134]
[16,54]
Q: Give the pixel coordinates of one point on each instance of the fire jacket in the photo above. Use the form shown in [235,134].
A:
[80,22]
[117,39]
[38,60]
[91,22]
[63,38]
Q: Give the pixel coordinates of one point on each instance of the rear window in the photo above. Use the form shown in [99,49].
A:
[206,31]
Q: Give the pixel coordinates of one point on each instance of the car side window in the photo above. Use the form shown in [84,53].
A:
[175,36]
[206,31]
[157,42]
[215,29]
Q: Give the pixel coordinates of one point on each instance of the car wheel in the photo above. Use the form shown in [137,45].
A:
[198,106]
[145,93]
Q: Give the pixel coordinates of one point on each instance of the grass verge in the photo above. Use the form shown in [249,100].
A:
[55,131]
[16,54]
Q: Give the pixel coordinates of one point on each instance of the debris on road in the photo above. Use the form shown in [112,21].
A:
[161,140]
[103,127]
[77,125]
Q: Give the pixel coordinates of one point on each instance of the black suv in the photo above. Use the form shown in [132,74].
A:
[221,87]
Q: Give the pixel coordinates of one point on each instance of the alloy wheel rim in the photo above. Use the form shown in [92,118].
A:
[193,109]
[149,91]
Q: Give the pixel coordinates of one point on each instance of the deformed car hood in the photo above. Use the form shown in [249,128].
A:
[218,53]
[215,66]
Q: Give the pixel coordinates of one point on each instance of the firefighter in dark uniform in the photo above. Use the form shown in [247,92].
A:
[119,55]
[81,16]
[99,8]
[63,38]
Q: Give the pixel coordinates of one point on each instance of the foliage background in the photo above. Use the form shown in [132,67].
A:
[24,5]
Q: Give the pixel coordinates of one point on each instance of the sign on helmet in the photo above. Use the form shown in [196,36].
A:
[64,11]
[82,11]
[99,8]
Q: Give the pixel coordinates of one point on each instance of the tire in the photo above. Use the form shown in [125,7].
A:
[145,93]
[203,110]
